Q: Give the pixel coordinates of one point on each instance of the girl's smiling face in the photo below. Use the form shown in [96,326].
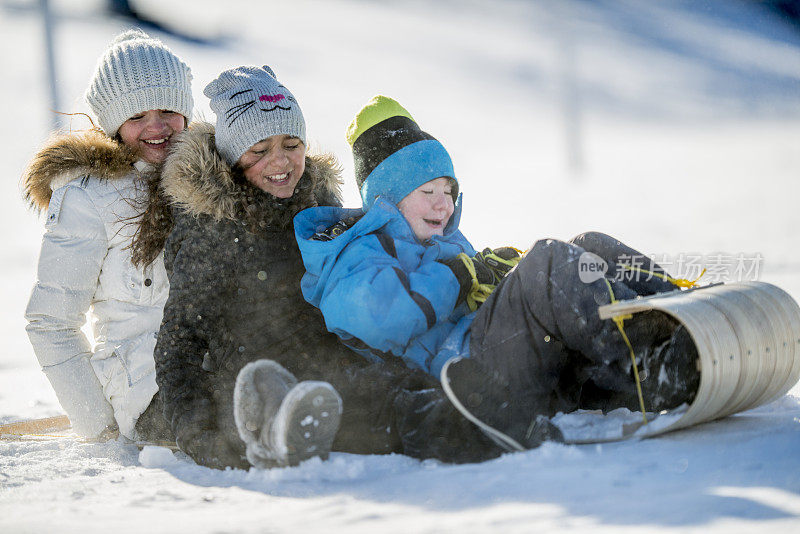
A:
[429,207]
[275,164]
[151,134]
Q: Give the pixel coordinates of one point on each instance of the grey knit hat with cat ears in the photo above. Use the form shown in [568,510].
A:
[251,105]
[135,74]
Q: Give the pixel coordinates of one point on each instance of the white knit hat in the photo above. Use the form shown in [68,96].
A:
[138,73]
[251,105]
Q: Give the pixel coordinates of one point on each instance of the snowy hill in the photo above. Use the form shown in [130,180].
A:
[673,125]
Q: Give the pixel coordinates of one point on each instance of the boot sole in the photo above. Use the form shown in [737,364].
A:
[307,422]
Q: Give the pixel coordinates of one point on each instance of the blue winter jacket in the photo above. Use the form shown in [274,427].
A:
[382,291]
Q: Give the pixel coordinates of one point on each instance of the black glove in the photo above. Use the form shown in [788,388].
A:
[483,275]
[498,261]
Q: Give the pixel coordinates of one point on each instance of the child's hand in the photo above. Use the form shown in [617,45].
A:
[479,275]
[483,275]
[498,261]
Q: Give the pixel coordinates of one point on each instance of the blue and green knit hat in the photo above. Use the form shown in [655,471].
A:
[392,155]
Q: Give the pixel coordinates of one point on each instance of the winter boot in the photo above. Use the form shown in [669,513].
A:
[670,374]
[281,421]
[483,398]
[610,366]
[666,360]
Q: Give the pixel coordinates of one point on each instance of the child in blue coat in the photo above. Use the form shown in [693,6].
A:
[397,279]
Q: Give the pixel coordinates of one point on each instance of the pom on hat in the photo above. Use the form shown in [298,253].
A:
[129,35]
[135,74]
[391,154]
[251,105]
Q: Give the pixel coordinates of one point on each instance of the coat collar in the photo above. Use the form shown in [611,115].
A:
[66,157]
[198,180]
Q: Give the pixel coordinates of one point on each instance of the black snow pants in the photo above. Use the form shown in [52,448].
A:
[151,424]
[540,334]
[389,408]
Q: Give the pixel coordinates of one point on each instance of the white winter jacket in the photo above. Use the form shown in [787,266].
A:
[85,266]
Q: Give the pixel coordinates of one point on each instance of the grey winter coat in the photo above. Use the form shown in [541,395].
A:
[235,275]
[235,297]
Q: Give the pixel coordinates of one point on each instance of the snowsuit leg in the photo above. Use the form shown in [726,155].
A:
[618,255]
[222,395]
[541,336]
[541,321]
[151,425]
[389,408]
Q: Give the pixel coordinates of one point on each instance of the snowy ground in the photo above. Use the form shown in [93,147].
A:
[674,125]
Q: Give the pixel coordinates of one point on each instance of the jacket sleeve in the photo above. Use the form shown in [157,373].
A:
[73,249]
[369,295]
[191,317]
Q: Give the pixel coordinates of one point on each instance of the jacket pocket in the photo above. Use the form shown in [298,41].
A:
[134,283]
[130,361]
[119,279]
[148,286]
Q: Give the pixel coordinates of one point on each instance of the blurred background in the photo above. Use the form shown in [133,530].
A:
[673,125]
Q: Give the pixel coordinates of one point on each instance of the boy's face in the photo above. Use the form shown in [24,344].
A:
[428,208]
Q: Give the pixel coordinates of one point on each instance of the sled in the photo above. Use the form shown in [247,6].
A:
[35,426]
[747,336]
[59,427]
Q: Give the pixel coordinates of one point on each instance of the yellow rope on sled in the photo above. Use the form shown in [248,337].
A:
[25,434]
[680,282]
[618,320]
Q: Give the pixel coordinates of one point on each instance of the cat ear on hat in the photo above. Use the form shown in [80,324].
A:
[236,77]
[217,86]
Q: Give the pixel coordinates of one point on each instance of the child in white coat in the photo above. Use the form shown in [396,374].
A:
[94,187]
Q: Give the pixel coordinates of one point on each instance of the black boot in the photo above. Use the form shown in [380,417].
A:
[429,426]
[282,421]
[671,373]
[484,398]
[666,359]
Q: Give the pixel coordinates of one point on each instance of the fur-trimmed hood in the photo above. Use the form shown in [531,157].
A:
[66,157]
[199,181]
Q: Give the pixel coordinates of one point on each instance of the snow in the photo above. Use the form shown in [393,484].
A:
[672,125]
[152,456]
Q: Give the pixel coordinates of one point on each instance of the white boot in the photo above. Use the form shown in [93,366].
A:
[283,422]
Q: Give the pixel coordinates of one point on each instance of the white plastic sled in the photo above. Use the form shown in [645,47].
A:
[747,336]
